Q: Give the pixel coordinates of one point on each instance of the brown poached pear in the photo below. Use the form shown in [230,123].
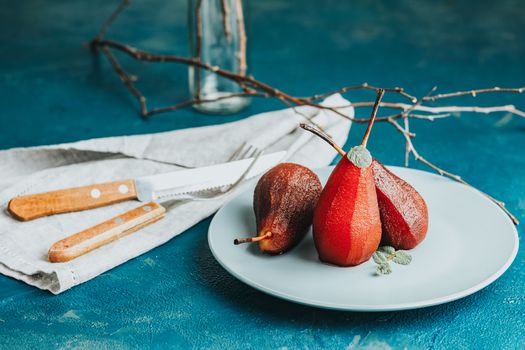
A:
[284,201]
[404,213]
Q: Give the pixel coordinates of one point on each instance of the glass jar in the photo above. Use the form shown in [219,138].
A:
[217,37]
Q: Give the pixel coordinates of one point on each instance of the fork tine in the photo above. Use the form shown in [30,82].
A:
[243,154]
[246,150]
[256,156]
[236,153]
[252,152]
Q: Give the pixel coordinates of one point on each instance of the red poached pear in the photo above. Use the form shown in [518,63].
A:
[404,213]
[346,225]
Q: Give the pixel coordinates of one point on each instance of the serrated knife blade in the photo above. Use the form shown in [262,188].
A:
[163,187]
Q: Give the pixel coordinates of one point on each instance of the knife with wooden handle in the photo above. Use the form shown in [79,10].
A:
[33,206]
[161,187]
[85,241]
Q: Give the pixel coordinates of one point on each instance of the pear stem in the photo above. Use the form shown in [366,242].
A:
[252,239]
[324,136]
[380,94]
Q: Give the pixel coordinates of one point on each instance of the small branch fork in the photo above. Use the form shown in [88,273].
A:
[415,108]
[442,172]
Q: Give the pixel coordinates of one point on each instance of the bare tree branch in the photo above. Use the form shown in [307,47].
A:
[105,26]
[255,88]
[473,93]
[127,80]
[448,174]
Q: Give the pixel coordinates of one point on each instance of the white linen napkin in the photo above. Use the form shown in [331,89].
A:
[24,245]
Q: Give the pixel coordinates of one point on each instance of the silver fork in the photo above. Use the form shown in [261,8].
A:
[246,150]
[243,152]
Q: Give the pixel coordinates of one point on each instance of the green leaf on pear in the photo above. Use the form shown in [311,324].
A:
[402,258]
[385,254]
[383,269]
[387,249]
[379,258]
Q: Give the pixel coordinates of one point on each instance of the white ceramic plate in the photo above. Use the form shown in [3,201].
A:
[470,243]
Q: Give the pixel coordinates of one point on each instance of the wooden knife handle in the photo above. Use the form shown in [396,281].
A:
[33,206]
[85,241]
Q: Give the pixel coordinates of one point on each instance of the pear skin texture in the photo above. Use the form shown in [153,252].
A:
[404,213]
[284,201]
[346,226]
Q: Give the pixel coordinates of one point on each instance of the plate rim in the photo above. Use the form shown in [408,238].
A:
[373,308]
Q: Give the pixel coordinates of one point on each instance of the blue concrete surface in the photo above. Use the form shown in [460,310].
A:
[52,90]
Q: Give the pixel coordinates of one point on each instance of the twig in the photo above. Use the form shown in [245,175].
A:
[407,148]
[273,92]
[407,122]
[127,80]
[473,93]
[192,102]
[363,86]
[249,81]
[324,136]
[105,26]
[306,117]
[485,110]
[380,94]
[448,174]
[433,110]
[429,117]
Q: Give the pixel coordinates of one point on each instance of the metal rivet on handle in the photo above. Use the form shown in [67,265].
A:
[123,189]
[95,193]
[146,208]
